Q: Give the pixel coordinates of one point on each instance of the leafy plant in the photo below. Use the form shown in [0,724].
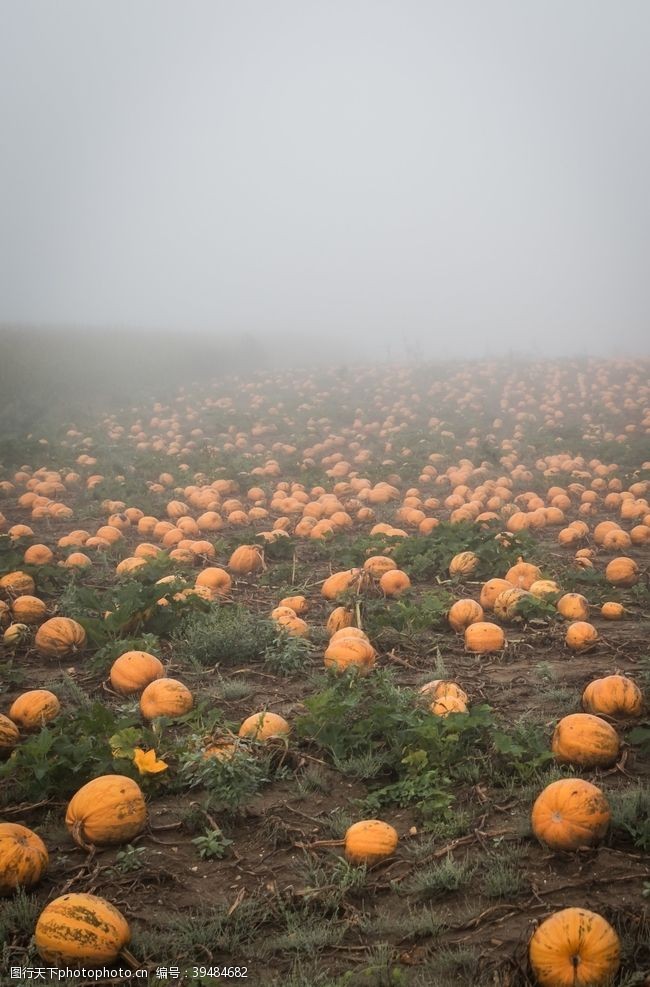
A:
[225,635]
[213,845]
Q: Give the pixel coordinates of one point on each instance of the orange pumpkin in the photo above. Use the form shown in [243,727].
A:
[59,637]
[447,704]
[613,695]
[339,583]
[28,610]
[339,619]
[573,606]
[490,591]
[484,637]
[369,841]
[33,709]
[574,948]
[165,697]
[394,582]
[9,734]
[264,726]
[439,688]
[38,555]
[346,652]
[586,741]
[377,565]
[298,604]
[507,603]
[23,858]
[464,564]
[246,559]
[81,929]
[107,810]
[133,671]
[622,572]
[462,613]
[612,611]
[217,580]
[523,574]
[17,584]
[581,636]
[569,814]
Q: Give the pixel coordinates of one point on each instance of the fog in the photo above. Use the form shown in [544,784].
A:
[363,178]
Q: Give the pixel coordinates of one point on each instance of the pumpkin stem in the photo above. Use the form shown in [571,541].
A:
[77,836]
[130,959]
[310,846]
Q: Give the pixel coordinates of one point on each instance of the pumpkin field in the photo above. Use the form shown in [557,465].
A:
[330,678]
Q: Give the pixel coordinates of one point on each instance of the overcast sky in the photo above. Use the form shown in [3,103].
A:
[472,172]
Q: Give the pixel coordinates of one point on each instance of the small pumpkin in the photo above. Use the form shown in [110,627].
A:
[33,709]
[574,948]
[9,734]
[81,928]
[264,726]
[23,858]
[484,637]
[613,695]
[107,810]
[462,613]
[5,614]
[165,697]
[369,841]
[16,635]
[339,619]
[586,741]
[298,604]
[581,636]
[394,582]
[28,610]
[570,813]
[573,606]
[59,637]
[133,671]
[622,571]
[612,610]
[347,652]
[544,588]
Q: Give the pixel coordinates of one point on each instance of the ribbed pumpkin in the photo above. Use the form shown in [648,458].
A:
[349,632]
[5,614]
[339,583]
[439,688]
[569,814]
[107,810]
[586,741]
[292,624]
[490,590]
[622,572]
[33,709]
[28,610]
[543,588]
[369,840]
[462,613]
[612,610]
[9,734]
[339,619]
[133,671]
[394,582]
[246,560]
[17,584]
[264,726]
[377,565]
[523,574]
[447,704]
[347,652]
[484,637]
[464,564]
[573,606]
[165,697]
[574,948]
[581,636]
[613,695]
[82,929]
[59,637]
[298,604]
[507,602]
[216,579]
[23,858]
[16,635]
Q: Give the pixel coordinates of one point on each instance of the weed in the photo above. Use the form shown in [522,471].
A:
[233,689]
[130,858]
[287,655]
[631,813]
[503,877]
[225,635]
[449,875]
[213,845]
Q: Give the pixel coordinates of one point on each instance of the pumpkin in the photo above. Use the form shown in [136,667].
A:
[23,858]
[33,709]
[463,564]
[613,695]
[369,840]
[264,726]
[574,948]
[17,584]
[5,614]
[462,613]
[377,565]
[345,652]
[507,602]
[573,606]
[9,734]
[221,750]
[484,637]
[292,624]
[339,619]
[581,636]
[134,671]
[215,579]
[15,635]
[542,588]
[569,814]
[59,637]
[612,611]
[165,697]
[523,574]
[394,582]
[447,704]
[348,632]
[586,741]
[38,555]
[28,610]
[246,559]
[339,583]
[298,604]
[81,929]
[440,688]
[490,591]
[107,810]
[622,572]
[76,560]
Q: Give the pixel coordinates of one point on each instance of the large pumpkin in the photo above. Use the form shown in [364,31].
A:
[507,602]
[217,580]
[370,840]
[622,572]
[463,564]
[134,670]
[23,858]
[581,636]
[339,583]
[165,697]
[263,726]
[490,590]
[574,948]
[33,709]
[484,637]
[523,575]
[613,695]
[346,652]
[377,565]
[17,584]
[59,637]
[573,606]
[109,809]
[82,929]
[28,610]
[462,613]
[569,814]
[394,582]
[246,559]
[586,741]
